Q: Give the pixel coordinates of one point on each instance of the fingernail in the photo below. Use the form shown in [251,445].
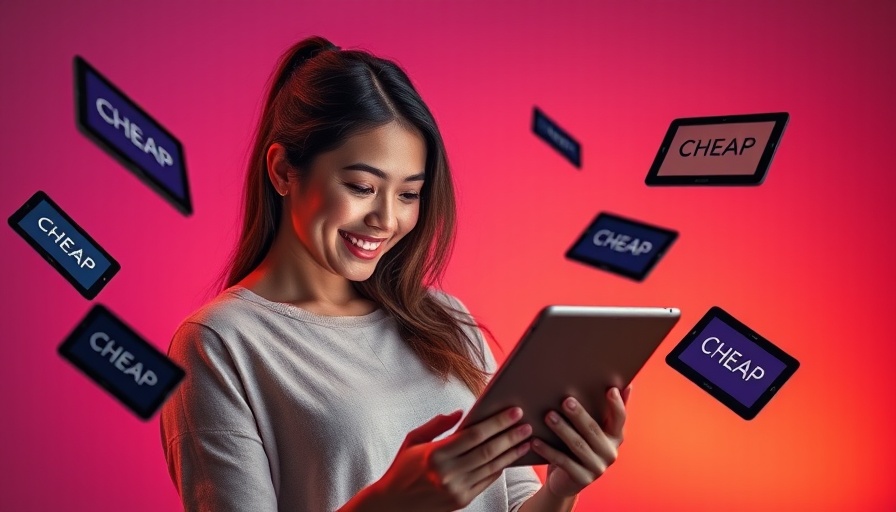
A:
[516,413]
[523,449]
[536,443]
[571,403]
[553,418]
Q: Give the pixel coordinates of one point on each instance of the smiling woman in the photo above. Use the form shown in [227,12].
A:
[321,375]
[347,212]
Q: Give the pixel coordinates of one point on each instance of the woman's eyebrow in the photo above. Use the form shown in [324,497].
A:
[378,173]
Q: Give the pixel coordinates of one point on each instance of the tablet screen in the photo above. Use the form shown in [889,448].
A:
[732,361]
[556,137]
[123,128]
[620,245]
[64,244]
[121,361]
[728,149]
[718,150]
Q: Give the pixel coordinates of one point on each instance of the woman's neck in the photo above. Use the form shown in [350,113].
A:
[289,274]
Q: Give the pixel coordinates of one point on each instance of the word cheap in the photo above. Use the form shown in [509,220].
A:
[713,347]
[132,132]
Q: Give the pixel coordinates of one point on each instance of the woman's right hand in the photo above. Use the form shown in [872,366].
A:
[448,474]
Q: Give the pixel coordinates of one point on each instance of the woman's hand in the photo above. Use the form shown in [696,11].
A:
[448,474]
[595,448]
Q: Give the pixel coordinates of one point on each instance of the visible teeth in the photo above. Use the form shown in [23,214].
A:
[367,246]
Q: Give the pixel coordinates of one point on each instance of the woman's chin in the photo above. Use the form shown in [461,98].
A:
[358,274]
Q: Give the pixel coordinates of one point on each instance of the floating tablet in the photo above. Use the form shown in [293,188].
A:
[64,244]
[722,150]
[556,137]
[119,126]
[624,246]
[732,362]
[122,362]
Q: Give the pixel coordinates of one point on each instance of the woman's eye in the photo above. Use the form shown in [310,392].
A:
[359,189]
[411,196]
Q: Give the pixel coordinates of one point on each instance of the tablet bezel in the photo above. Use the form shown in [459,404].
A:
[616,269]
[81,66]
[651,321]
[747,413]
[102,280]
[758,176]
[100,310]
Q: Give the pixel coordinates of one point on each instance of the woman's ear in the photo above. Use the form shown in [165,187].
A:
[278,168]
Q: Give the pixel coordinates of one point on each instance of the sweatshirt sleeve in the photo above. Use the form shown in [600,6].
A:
[522,481]
[215,455]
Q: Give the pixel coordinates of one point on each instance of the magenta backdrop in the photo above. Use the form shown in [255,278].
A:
[805,259]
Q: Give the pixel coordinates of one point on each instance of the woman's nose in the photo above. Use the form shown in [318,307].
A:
[383,214]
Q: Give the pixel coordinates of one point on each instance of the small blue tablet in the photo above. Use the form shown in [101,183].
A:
[64,244]
[117,358]
[556,137]
[623,246]
[118,125]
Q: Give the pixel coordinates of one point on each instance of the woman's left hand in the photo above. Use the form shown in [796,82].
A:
[595,448]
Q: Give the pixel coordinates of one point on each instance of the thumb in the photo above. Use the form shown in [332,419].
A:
[432,428]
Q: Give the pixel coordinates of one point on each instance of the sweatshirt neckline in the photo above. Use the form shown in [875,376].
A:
[307,316]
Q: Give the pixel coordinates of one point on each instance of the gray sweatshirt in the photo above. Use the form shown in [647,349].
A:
[282,409]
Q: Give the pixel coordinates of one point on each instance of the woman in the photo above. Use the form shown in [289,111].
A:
[319,379]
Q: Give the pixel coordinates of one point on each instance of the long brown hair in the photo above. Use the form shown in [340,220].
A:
[319,96]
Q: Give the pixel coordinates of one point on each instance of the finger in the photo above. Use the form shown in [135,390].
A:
[432,428]
[626,393]
[615,415]
[499,464]
[575,470]
[491,450]
[478,433]
[584,424]
[580,448]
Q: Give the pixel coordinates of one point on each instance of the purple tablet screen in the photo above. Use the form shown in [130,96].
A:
[732,362]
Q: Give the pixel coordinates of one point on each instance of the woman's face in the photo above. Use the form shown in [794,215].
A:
[359,200]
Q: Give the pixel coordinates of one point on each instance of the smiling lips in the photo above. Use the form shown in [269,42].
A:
[362,246]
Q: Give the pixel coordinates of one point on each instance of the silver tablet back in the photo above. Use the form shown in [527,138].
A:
[578,351]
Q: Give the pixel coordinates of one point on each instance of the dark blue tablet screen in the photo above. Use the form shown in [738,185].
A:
[628,245]
[127,363]
[65,244]
[557,137]
[732,362]
[114,118]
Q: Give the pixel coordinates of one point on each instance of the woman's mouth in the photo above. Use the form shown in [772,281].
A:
[364,249]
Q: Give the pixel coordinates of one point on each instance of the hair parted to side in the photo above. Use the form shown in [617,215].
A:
[319,96]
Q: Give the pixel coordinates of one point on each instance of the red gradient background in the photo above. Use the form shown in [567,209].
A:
[805,259]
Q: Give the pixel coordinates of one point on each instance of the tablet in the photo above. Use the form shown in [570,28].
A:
[114,356]
[64,244]
[623,246]
[720,150]
[119,126]
[578,351]
[556,137]
[732,362]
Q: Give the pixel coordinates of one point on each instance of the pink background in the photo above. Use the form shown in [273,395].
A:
[805,259]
